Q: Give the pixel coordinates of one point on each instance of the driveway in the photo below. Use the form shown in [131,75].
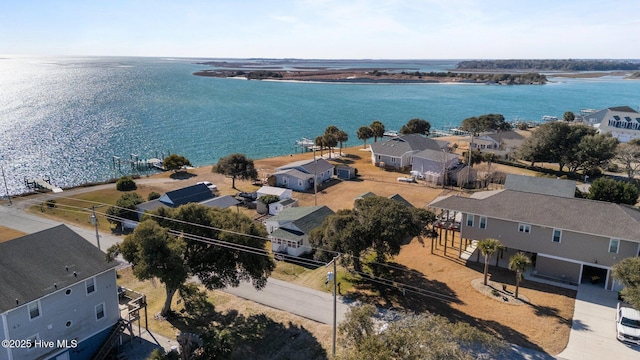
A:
[593,332]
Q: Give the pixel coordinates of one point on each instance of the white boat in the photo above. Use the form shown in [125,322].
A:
[304,142]
[390,133]
[548,118]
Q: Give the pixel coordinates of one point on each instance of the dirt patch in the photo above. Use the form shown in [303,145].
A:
[550,308]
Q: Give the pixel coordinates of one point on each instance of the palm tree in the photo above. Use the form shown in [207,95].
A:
[364,133]
[378,129]
[519,263]
[488,247]
[342,137]
[319,142]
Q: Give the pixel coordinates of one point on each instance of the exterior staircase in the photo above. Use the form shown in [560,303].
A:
[106,347]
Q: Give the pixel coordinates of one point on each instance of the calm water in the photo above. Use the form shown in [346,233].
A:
[67,117]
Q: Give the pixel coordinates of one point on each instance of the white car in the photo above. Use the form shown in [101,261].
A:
[211,187]
[628,324]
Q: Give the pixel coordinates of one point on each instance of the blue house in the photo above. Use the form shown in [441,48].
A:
[58,293]
[300,175]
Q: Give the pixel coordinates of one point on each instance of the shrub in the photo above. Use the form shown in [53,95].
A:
[153,195]
[125,183]
[495,292]
[50,203]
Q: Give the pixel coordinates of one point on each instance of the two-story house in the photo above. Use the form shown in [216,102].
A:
[58,296]
[568,238]
[289,229]
[622,122]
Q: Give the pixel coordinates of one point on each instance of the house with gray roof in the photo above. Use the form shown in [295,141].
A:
[56,286]
[289,229]
[434,165]
[398,152]
[501,143]
[622,122]
[301,175]
[569,239]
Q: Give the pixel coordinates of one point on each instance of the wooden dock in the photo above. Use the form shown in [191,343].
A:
[42,183]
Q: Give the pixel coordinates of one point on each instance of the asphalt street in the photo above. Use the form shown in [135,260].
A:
[299,300]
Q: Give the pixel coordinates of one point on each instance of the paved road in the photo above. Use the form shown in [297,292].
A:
[299,300]
[312,304]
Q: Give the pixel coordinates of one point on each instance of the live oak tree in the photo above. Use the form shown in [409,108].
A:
[416,126]
[237,166]
[569,116]
[610,190]
[375,223]
[627,272]
[125,208]
[220,247]
[629,155]
[154,253]
[488,247]
[175,162]
[243,256]
[364,133]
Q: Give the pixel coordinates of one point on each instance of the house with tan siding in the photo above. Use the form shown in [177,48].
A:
[569,239]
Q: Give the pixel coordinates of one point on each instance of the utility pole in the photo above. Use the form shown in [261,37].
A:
[5,185]
[315,178]
[335,301]
[94,220]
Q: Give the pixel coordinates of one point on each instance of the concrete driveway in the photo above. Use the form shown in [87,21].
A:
[593,332]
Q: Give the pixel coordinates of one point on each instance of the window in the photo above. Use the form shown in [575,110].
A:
[470,219]
[34,310]
[524,228]
[91,285]
[614,244]
[99,311]
[483,222]
[31,340]
[557,235]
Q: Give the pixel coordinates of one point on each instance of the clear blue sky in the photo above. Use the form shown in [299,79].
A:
[355,29]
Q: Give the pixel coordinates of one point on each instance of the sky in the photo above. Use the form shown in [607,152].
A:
[323,29]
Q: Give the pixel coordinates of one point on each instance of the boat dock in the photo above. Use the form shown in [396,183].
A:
[42,183]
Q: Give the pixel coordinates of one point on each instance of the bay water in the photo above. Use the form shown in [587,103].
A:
[66,118]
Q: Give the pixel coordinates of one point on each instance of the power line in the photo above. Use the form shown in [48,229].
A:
[256,251]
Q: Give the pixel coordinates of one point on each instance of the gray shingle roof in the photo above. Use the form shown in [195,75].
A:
[304,218]
[573,214]
[221,202]
[540,185]
[400,145]
[308,166]
[32,264]
[436,155]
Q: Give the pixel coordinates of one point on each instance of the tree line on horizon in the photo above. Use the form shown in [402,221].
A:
[549,64]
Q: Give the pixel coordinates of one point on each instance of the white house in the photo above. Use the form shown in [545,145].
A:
[622,122]
[289,230]
[282,193]
[58,294]
[300,175]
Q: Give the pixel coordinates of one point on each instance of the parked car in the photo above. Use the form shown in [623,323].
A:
[628,324]
[211,187]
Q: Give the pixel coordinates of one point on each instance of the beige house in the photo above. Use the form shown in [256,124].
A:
[569,239]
